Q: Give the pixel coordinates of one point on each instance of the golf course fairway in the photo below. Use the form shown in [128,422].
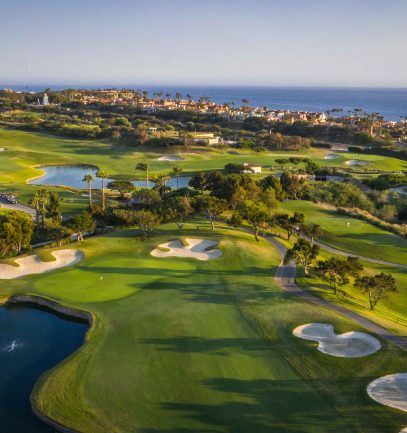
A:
[181,345]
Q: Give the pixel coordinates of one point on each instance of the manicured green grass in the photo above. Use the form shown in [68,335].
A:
[376,162]
[25,150]
[71,202]
[181,345]
[359,237]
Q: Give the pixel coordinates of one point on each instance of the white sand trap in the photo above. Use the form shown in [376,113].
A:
[348,345]
[2,149]
[34,265]
[196,249]
[170,158]
[356,162]
[390,390]
[332,156]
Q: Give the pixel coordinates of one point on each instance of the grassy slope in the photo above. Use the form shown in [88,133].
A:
[181,345]
[359,237]
[364,239]
[387,310]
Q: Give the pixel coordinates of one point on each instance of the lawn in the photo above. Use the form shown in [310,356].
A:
[25,150]
[375,162]
[180,345]
[390,312]
[349,234]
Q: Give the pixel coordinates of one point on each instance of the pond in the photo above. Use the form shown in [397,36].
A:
[72,175]
[32,341]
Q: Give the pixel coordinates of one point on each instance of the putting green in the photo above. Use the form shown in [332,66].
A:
[181,345]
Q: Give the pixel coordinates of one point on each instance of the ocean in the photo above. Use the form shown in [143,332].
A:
[390,103]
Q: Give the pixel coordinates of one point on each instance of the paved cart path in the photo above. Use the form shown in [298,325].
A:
[285,278]
[344,253]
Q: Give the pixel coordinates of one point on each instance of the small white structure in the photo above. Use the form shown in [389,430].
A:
[45,100]
[251,168]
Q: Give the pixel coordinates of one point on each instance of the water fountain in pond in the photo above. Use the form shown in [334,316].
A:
[11,347]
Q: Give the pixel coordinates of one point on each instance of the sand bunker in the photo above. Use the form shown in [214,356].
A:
[332,156]
[390,390]
[356,162]
[348,345]
[34,265]
[197,249]
[2,149]
[170,158]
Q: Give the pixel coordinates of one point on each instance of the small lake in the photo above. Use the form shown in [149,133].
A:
[72,175]
[32,341]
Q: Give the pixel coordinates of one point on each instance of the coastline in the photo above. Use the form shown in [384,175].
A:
[60,309]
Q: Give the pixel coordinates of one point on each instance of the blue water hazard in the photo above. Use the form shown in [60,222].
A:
[72,176]
[32,341]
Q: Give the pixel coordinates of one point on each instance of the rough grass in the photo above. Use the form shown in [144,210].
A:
[183,345]
[359,237]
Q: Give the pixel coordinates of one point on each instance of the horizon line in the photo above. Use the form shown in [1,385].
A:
[126,85]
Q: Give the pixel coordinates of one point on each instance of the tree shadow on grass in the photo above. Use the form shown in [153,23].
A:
[215,346]
[258,406]
[162,272]
[282,406]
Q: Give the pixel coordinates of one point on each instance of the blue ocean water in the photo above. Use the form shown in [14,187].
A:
[391,103]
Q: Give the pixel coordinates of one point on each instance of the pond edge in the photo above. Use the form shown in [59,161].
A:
[61,309]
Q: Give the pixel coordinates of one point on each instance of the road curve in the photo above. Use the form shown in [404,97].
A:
[285,278]
[366,259]
[17,206]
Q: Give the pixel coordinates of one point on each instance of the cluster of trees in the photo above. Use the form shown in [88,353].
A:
[16,230]
[340,194]
[209,195]
[337,272]
[386,181]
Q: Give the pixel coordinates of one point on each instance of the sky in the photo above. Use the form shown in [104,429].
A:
[360,43]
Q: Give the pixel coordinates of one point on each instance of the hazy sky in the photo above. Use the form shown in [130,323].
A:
[248,42]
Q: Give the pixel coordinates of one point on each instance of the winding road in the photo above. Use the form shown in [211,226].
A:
[16,206]
[285,278]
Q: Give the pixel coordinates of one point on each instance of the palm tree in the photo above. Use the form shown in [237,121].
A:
[143,166]
[89,179]
[177,171]
[245,103]
[36,201]
[102,175]
[43,197]
[160,183]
